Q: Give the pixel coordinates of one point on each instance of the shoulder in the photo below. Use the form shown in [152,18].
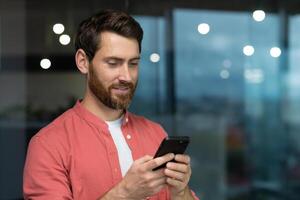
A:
[58,128]
[145,123]
[53,141]
[143,120]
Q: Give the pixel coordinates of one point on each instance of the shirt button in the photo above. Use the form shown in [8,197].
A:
[126,120]
[128,137]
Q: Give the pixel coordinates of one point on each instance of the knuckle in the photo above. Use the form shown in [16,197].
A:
[186,168]
[180,177]
[188,159]
[147,177]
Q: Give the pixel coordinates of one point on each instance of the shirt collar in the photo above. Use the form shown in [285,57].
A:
[87,115]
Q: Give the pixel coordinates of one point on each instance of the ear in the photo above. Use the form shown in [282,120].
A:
[82,61]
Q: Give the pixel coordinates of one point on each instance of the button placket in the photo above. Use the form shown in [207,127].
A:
[128,136]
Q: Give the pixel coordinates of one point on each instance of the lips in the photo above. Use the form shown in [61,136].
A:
[121,90]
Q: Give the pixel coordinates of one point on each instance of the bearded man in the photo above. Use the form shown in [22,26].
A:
[97,149]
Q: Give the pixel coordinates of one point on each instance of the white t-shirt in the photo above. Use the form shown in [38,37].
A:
[124,152]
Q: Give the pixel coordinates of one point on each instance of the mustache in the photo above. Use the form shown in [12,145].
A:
[123,84]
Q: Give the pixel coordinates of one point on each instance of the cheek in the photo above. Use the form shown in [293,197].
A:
[107,78]
[135,74]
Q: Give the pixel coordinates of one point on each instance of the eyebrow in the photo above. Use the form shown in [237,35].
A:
[121,59]
[136,58]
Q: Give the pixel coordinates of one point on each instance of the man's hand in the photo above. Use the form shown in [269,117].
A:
[178,175]
[140,181]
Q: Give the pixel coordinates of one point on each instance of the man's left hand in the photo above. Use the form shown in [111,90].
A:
[178,174]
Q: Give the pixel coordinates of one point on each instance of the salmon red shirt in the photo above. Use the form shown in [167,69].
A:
[75,157]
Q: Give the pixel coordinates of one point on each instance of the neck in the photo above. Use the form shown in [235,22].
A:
[92,104]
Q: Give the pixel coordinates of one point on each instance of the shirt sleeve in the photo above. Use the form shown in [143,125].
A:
[45,176]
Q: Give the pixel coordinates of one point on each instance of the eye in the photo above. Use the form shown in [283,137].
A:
[133,64]
[112,63]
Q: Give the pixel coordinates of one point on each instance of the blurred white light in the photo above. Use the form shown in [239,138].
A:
[275,52]
[154,57]
[248,50]
[64,39]
[224,74]
[258,15]
[203,28]
[45,63]
[58,28]
[255,76]
[227,63]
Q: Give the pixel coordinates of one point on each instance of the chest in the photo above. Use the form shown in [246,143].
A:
[95,166]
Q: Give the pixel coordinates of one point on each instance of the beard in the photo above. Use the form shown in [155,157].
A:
[104,95]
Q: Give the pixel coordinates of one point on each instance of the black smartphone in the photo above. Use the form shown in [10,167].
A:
[172,144]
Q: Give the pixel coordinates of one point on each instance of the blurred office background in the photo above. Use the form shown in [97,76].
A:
[215,70]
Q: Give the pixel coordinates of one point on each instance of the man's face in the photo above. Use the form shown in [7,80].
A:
[113,72]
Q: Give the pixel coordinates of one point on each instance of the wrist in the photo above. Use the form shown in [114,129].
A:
[181,195]
[118,192]
[123,192]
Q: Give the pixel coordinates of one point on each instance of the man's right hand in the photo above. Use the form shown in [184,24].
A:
[141,181]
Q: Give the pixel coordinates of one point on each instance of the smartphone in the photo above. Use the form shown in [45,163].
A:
[172,144]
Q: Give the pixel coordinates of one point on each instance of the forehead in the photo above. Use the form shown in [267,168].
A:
[112,44]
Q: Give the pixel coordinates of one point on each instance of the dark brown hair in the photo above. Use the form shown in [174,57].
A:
[89,30]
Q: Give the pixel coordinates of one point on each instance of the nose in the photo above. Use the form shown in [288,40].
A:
[124,73]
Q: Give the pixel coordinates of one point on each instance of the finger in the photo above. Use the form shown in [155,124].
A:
[182,158]
[174,182]
[159,182]
[144,159]
[176,175]
[159,161]
[157,174]
[180,167]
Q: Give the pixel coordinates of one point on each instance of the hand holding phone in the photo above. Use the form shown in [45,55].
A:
[172,144]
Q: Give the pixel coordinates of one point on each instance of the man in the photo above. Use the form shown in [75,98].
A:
[97,149]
